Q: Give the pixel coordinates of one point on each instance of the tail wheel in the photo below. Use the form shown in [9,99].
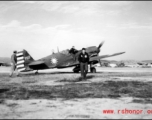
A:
[93,70]
[36,72]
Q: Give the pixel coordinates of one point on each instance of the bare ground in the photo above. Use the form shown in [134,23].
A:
[65,95]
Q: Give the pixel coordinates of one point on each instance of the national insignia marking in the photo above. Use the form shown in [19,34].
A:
[54,60]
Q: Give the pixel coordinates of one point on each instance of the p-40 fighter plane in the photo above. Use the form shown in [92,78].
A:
[60,60]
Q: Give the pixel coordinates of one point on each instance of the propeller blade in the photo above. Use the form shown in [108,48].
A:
[100,45]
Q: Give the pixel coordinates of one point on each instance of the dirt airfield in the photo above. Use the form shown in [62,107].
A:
[59,93]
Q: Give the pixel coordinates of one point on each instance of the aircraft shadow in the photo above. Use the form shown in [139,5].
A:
[52,73]
[78,79]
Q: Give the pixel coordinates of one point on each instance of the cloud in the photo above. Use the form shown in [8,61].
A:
[26,2]
[41,40]
[13,23]
[41,26]
[129,25]
[83,7]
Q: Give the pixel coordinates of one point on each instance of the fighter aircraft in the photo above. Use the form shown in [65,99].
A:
[5,61]
[59,60]
[2,63]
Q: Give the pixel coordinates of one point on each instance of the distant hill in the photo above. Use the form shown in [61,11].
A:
[123,61]
[127,62]
[109,61]
[147,61]
[5,59]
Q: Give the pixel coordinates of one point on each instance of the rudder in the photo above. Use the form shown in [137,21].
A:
[23,59]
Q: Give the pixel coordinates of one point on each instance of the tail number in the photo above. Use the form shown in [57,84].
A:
[27,58]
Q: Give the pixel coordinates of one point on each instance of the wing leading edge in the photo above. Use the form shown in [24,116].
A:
[104,56]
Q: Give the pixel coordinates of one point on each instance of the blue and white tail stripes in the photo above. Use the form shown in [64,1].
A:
[20,60]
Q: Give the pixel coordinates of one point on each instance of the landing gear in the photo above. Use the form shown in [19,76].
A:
[36,72]
[93,70]
[76,69]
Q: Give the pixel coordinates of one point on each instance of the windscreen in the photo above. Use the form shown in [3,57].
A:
[65,52]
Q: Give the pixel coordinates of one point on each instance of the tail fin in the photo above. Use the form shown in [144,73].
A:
[23,59]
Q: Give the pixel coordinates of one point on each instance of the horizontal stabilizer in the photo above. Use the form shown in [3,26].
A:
[36,63]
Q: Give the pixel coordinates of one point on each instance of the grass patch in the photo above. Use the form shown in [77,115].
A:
[108,89]
[22,87]
[12,104]
[29,81]
[143,101]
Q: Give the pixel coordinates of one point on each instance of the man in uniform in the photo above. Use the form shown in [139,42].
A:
[73,51]
[84,60]
[13,64]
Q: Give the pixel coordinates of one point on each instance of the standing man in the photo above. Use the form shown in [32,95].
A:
[73,50]
[84,60]
[13,64]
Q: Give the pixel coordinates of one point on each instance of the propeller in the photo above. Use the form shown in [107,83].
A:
[100,45]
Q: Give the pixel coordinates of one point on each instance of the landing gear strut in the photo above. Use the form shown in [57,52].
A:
[92,69]
[76,69]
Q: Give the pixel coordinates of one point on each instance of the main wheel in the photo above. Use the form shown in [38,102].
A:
[93,70]
[76,71]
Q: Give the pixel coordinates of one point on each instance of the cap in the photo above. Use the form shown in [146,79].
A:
[83,49]
[15,51]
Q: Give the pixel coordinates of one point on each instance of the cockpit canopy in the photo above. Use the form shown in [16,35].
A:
[65,52]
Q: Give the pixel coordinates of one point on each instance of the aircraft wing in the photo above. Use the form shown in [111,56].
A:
[92,59]
[104,56]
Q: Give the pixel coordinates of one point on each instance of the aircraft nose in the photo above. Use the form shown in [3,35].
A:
[98,50]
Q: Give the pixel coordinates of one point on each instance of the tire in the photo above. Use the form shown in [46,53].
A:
[93,70]
[76,71]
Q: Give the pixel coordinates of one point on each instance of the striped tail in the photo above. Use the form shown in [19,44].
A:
[23,59]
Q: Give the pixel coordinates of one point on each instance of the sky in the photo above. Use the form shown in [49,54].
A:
[42,26]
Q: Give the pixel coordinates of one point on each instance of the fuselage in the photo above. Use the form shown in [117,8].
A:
[65,59]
